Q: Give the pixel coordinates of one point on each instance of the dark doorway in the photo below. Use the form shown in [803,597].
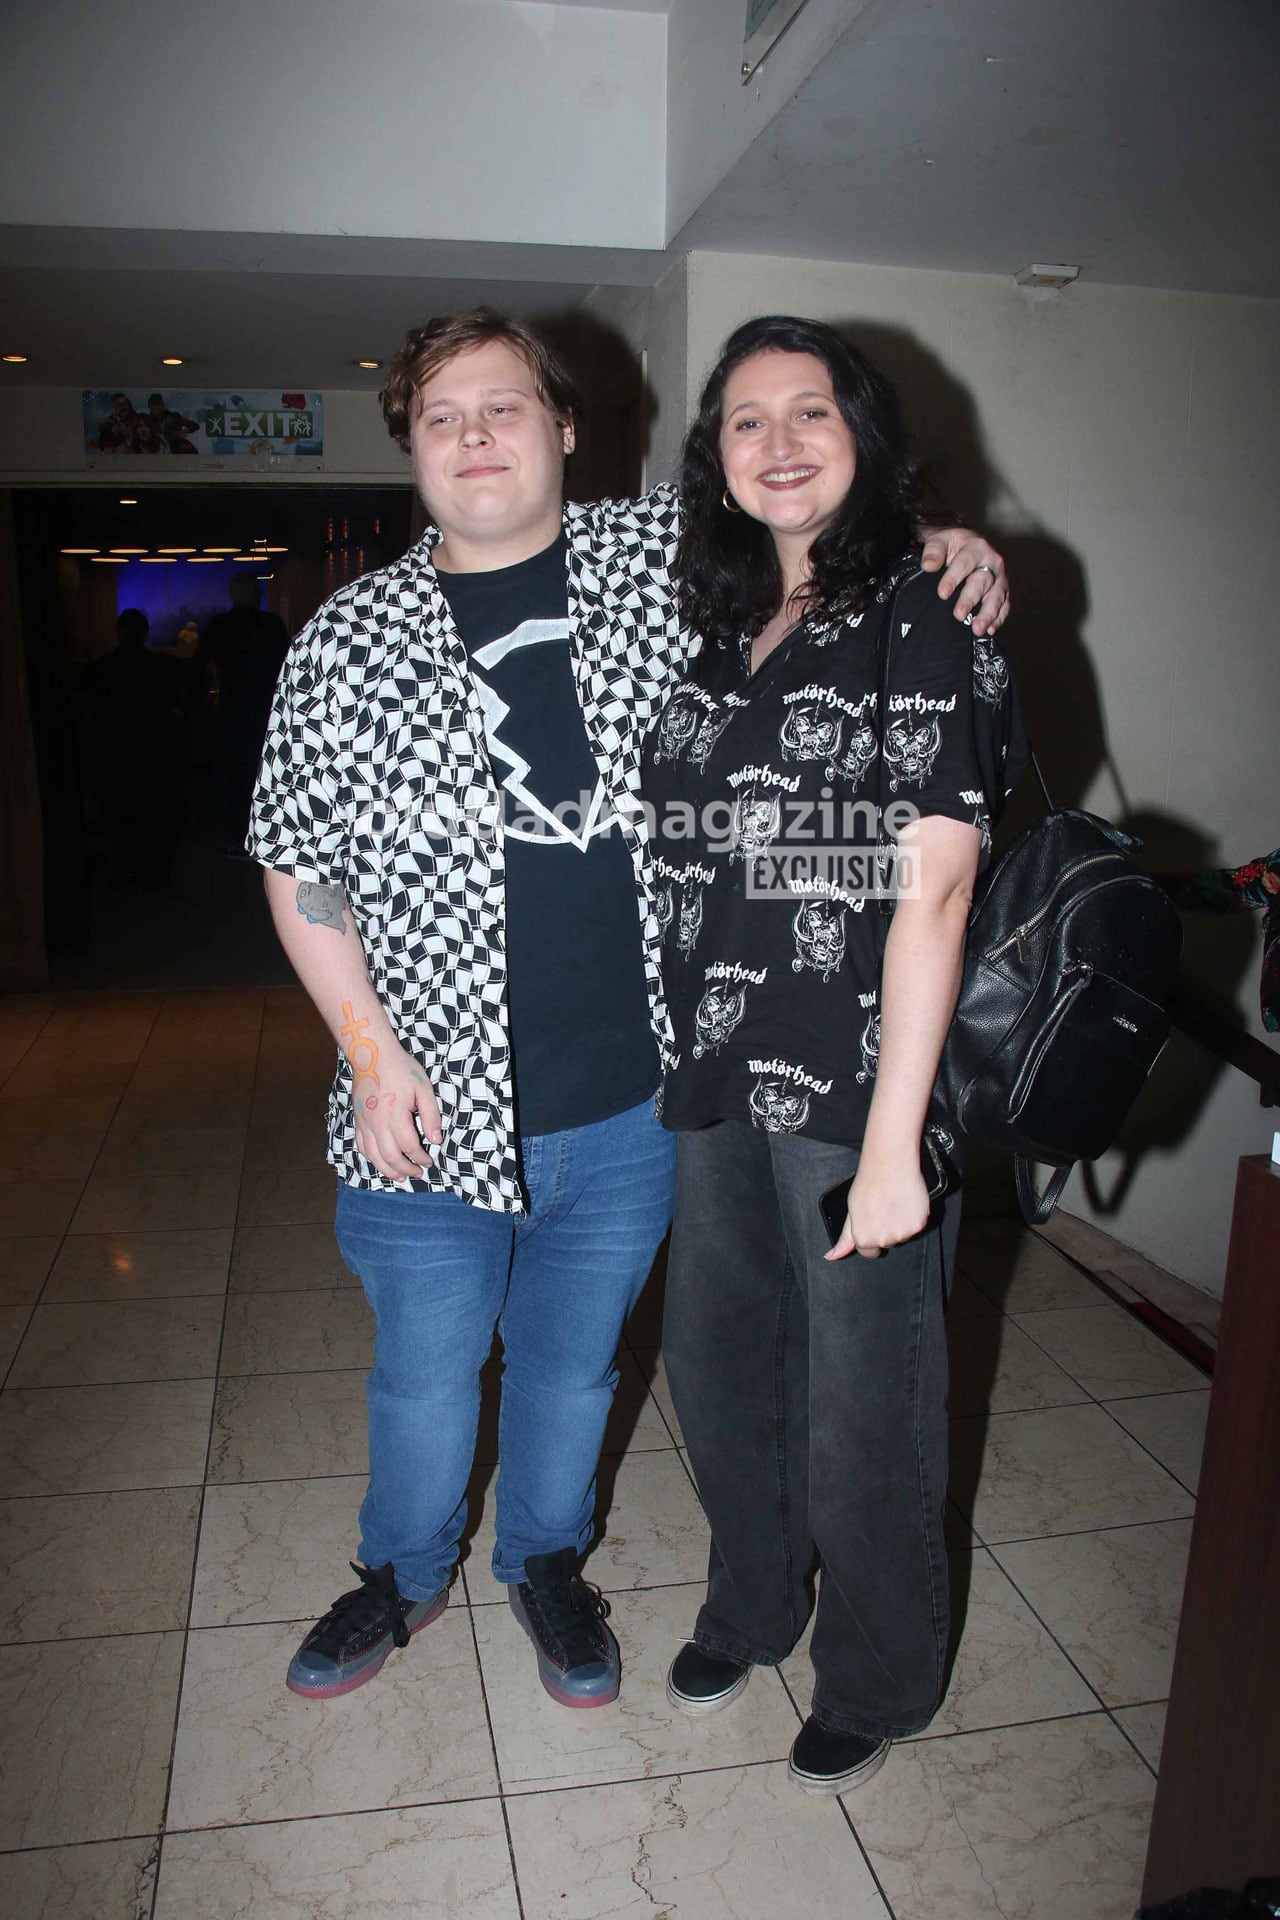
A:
[198,917]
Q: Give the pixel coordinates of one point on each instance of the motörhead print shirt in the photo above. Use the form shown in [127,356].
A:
[763,789]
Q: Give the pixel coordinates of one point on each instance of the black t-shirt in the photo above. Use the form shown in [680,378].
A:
[582,1043]
[764,792]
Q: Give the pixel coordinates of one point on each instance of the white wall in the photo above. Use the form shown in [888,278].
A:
[42,442]
[468,119]
[1133,443]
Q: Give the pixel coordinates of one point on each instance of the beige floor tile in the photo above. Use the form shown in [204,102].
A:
[275,1551]
[109,1880]
[297,1332]
[87,1564]
[157,1203]
[1006,1668]
[1112,1600]
[89,1343]
[737,1844]
[967,1300]
[170,1149]
[654,1532]
[426,1863]
[1169,1425]
[13,1324]
[179,1076]
[23,1111]
[1022,1274]
[248,1749]
[37,1207]
[63,1709]
[1109,1352]
[1145,1727]
[83,1036]
[288,1426]
[279,1259]
[298,1147]
[140,1266]
[996,1368]
[66,1154]
[1058,1470]
[276,1197]
[23,1266]
[104,1439]
[1044,1822]
[541,1744]
[654,1369]
[141,1113]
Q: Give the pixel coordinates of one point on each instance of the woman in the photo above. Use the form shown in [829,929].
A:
[812,1386]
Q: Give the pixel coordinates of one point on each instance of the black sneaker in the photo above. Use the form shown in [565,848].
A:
[699,1682]
[825,1762]
[578,1659]
[349,1645]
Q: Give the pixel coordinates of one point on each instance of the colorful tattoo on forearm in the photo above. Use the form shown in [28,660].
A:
[322,906]
[361,1052]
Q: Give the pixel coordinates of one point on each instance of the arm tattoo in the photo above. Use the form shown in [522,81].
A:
[360,1050]
[322,906]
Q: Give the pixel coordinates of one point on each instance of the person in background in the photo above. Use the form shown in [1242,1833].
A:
[810,1381]
[448,815]
[246,648]
[141,753]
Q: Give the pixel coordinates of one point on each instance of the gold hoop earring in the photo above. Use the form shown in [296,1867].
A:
[730,504]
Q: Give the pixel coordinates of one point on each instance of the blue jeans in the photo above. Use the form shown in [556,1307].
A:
[558,1283]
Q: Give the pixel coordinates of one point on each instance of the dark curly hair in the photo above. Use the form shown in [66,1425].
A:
[727,570]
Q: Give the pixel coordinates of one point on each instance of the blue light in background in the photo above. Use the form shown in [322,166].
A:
[170,596]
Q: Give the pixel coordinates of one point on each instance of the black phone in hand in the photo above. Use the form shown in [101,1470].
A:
[833,1205]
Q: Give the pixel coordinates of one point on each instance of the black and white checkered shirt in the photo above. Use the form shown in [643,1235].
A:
[376,778]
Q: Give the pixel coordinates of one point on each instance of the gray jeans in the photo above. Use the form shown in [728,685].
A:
[813,1400]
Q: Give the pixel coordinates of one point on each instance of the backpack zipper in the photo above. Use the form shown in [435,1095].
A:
[1018,938]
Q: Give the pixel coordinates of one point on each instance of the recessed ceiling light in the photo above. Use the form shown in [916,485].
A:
[175,549]
[128,500]
[219,550]
[77,549]
[108,560]
[275,549]
[205,560]
[128,549]
[15,359]
[170,360]
[251,557]
[158,560]
[369,363]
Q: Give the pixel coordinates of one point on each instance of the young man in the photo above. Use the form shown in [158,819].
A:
[456,863]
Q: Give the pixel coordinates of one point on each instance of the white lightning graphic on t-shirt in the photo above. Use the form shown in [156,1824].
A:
[599,816]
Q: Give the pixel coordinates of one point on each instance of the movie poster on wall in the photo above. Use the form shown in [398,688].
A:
[133,424]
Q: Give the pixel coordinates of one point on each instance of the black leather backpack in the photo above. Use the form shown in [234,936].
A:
[1069,962]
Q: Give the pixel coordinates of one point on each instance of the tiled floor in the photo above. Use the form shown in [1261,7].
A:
[181,1450]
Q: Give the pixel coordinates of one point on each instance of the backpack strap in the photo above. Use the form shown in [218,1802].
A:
[1036,1207]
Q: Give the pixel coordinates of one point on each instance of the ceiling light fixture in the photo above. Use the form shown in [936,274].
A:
[128,500]
[128,550]
[171,360]
[1040,278]
[77,549]
[158,560]
[108,560]
[275,549]
[175,549]
[204,560]
[15,359]
[369,365]
[219,550]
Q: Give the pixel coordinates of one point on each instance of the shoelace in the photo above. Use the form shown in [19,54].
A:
[371,1604]
[569,1612]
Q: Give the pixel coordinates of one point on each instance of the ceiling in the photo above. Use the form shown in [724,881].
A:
[1136,140]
